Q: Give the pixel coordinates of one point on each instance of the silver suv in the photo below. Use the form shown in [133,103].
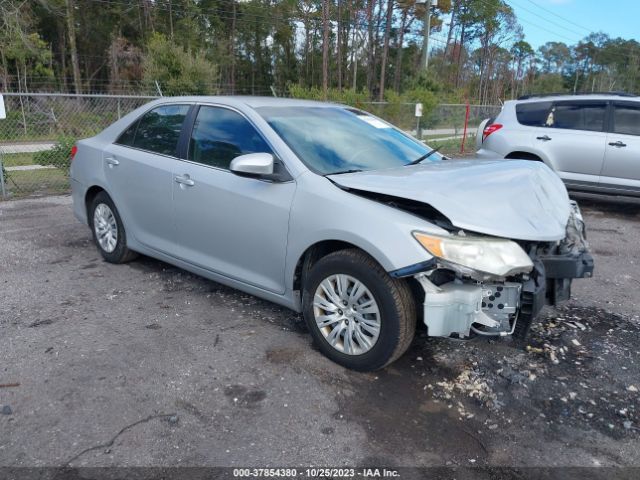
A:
[591,140]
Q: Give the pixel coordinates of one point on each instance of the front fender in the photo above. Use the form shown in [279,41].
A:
[322,211]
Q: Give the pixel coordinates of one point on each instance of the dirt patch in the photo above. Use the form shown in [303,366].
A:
[283,356]
[604,253]
[401,417]
[241,396]
[586,373]
[579,369]
[611,206]
[41,323]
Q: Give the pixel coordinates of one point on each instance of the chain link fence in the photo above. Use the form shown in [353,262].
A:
[40,129]
[442,126]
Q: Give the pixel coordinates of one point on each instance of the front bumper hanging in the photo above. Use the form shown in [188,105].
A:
[455,307]
[508,307]
[561,269]
[505,308]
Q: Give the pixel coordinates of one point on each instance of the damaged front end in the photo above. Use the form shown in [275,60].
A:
[501,297]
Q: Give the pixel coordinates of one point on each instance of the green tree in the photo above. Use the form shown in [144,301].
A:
[554,57]
[176,71]
[22,51]
[478,51]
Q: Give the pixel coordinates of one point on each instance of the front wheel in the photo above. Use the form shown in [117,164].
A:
[358,315]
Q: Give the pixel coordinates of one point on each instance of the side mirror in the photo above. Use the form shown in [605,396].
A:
[255,165]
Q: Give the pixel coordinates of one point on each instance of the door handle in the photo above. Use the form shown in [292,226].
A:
[618,144]
[112,162]
[184,180]
[544,138]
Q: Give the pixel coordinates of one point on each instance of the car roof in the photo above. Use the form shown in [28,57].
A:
[250,101]
[586,96]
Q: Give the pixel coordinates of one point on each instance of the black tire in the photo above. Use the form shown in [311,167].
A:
[120,254]
[393,296]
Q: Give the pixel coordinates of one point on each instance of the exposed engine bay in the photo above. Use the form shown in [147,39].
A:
[462,302]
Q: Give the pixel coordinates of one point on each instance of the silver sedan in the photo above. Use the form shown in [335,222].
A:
[334,213]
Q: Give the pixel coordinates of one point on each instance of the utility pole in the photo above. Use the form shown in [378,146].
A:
[426,30]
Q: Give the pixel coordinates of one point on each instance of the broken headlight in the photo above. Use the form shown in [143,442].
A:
[495,256]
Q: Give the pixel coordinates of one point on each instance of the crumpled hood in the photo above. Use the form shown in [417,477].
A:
[517,199]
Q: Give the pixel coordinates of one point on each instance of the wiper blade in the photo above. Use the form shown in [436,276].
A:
[424,157]
[353,170]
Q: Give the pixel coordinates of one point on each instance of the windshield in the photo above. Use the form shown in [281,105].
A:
[336,139]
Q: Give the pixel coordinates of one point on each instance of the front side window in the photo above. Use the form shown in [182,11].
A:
[334,139]
[157,131]
[626,119]
[578,116]
[533,114]
[220,135]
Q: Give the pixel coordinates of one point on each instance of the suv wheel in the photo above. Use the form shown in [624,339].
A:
[108,231]
[358,315]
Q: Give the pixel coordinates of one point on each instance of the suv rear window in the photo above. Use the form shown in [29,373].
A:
[533,114]
[578,116]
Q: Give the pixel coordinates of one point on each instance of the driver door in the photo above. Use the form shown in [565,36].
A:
[232,225]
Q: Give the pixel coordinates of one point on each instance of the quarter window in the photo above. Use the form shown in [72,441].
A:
[220,135]
[128,136]
[157,131]
[533,114]
[578,116]
[626,120]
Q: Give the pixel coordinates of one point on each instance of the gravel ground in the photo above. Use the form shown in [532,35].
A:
[144,364]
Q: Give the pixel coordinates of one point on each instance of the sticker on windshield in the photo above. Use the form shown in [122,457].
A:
[374,122]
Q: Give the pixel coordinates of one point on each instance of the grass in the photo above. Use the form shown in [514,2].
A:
[451,146]
[36,182]
[16,159]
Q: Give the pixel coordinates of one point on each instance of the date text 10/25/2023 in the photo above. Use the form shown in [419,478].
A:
[316,472]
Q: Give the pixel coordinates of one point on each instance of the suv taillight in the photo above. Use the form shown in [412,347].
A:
[74,150]
[489,129]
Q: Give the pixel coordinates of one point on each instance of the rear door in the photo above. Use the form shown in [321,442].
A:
[138,168]
[621,170]
[235,226]
[573,138]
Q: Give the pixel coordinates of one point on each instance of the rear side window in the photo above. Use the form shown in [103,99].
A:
[533,114]
[578,116]
[157,131]
[220,135]
[626,120]
[127,137]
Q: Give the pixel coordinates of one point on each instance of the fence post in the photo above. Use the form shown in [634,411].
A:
[2,189]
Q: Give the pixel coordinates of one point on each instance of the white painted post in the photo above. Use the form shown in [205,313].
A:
[418,114]
[3,115]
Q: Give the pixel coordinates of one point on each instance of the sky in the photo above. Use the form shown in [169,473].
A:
[571,20]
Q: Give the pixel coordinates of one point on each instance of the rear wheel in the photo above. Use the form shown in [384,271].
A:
[108,231]
[358,315]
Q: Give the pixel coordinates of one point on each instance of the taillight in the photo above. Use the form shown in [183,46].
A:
[74,150]
[489,129]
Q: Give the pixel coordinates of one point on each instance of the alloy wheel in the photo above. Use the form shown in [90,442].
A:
[106,227]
